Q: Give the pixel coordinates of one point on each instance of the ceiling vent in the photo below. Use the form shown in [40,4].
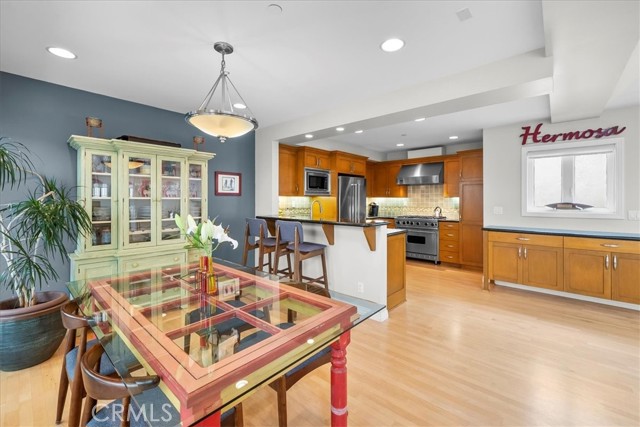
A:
[425,152]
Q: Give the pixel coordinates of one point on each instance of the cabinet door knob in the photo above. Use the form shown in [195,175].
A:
[176,258]
[134,265]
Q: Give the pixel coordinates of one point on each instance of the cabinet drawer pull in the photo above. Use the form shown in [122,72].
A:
[520,252]
[606,262]
[610,245]
[176,258]
[525,253]
[524,239]
[135,264]
[615,262]
[449,234]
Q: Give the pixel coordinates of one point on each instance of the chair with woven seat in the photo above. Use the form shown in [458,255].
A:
[291,231]
[256,236]
[70,373]
[100,387]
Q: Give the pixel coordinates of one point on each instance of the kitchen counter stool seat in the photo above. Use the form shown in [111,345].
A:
[291,232]
[256,236]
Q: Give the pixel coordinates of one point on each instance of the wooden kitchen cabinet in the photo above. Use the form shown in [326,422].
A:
[602,268]
[385,180]
[451,178]
[528,259]
[449,242]
[471,208]
[315,158]
[396,270]
[348,163]
[371,178]
[289,177]
[470,165]
[471,245]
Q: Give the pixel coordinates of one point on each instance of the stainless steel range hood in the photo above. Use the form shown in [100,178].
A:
[421,174]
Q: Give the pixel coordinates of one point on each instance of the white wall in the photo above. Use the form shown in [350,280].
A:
[502,174]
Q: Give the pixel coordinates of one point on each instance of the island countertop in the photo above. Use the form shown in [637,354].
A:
[566,233]
[306,219]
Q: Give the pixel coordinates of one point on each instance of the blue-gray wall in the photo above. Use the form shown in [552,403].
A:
[43,116]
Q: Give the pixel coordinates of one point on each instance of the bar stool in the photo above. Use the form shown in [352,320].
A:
[70,373]
[100,387]
[256,230]
[291,231]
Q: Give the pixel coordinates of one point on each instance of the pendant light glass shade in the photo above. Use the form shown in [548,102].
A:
[217,115]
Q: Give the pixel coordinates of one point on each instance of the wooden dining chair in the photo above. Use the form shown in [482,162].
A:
[70,373]
[148,395]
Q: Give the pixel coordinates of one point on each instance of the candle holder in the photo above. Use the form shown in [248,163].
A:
[94,123]
[197,140]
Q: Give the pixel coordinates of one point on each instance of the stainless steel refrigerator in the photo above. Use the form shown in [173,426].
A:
[352,198]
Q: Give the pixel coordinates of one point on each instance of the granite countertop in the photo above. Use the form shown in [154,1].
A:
[568,233]
[305,219]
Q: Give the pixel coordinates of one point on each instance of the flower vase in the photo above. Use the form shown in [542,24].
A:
[206,276]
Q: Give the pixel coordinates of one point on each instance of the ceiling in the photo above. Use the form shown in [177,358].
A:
[317,57]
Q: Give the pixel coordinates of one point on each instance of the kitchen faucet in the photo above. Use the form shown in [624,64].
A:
[319,206]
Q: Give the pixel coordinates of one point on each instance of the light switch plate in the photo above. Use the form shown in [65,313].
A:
[634,215]
[498,210]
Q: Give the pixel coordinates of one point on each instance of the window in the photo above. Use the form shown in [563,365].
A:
[575,180]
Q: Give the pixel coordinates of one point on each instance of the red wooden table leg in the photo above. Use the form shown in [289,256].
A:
[212,420]
[339,410]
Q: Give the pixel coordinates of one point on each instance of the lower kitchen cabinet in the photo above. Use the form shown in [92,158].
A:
[603,268]
[396,270]
[449,241]
[471,245]
[529,259]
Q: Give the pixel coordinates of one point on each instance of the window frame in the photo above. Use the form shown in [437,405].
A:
[615,186]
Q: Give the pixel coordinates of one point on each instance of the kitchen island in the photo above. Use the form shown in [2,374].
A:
[356,254]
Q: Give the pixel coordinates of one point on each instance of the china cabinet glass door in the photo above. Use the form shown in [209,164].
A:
[197,191]
[140,209]
[101,192]
[170,196]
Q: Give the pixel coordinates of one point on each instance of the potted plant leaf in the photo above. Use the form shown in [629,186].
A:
[33,232]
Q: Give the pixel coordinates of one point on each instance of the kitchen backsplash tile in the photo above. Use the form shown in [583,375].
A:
[421,200]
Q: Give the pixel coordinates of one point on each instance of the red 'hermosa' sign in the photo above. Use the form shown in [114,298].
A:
[567,136]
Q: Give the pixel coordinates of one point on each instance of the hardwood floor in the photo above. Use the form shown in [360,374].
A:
[451,355]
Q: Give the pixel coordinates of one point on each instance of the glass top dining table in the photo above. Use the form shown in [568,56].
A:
[211,350]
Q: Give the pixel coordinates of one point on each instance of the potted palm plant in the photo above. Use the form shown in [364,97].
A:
[33,231]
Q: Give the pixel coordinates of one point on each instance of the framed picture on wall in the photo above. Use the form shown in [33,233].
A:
[228,184]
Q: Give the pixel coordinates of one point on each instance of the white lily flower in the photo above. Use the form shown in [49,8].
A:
[192,225]
[220,235]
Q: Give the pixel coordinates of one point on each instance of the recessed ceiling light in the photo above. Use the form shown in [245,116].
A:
[392,45]
[453,137]
[62,53]
[419,119]
[308,136]
[399,145]
[340,129]
[239,106]
[359,131]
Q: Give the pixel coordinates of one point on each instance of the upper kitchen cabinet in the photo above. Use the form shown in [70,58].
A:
[314,158]
[384,182]
[289,175]
[470,165]
[370,176]
[451,177]
[348,163]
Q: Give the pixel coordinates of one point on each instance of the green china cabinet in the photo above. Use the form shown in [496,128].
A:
[132,191]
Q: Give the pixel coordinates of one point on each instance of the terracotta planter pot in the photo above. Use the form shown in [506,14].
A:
[30,335]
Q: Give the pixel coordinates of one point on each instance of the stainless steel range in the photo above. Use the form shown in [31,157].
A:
[422,236]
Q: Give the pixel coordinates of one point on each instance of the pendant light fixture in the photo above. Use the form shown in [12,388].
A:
[228,116]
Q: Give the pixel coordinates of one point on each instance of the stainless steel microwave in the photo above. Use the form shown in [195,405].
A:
[317,182]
